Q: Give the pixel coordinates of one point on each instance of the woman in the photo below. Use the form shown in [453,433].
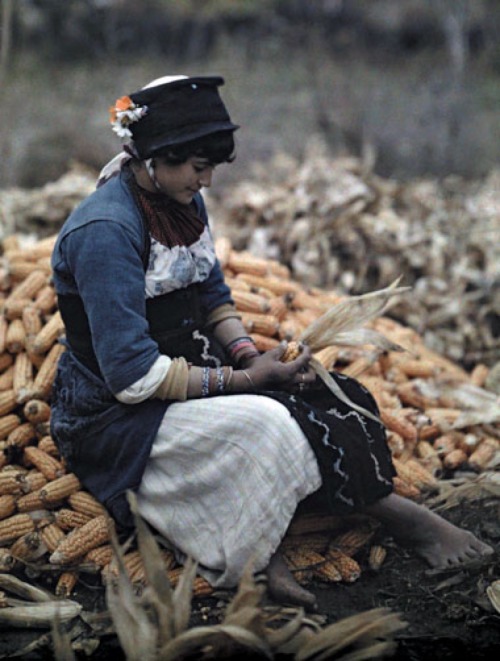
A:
[162,391]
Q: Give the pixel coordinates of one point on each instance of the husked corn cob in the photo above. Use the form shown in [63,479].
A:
[317,542]
[421,477]
[52,535]
[46,300]
[278,286]
[13,308]
[298,559]
[454,459]
[7,505]
[468,442]
[60,488]
[278,307]
[292,351]
[7,562]
[16,337]
[410,395]
[444,444]
[265,324]
[23,377]
[168,558]
[30,286]
[328,356]
[30,502]
[348,568]
[28,547]
[32,321]
[45,378]
[290,329]
[68,519]
[399,424]
[82,501]
[405,489]
[201,587]
[66,583]
[76,544]
[50,467]
[10,481]
[312,523]
[328,572]
[415,368]
[351,541]
[8,423]
[263,342]
[33,480]
[396,443]
[429,457]
[483,454]
[46,443]
[100,556]
[20,269]
[36,410]
[21,436]
[49,333]
[7,380]
[6,360]
[8,402]
[15,526]
[376,557]
[249,302]
[247,263]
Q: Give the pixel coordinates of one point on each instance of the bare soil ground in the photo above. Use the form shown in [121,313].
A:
[448,613]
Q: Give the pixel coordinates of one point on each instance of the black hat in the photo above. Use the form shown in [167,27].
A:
[178,112]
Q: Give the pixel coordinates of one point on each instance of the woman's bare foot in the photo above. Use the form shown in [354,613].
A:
[283,587]
[436,540]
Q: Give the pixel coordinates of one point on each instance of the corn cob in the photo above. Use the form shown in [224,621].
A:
[7,562]
[68,519]
[36,410]
[4,325]
[46,300]
[49,333]
[15,341]
[100,556]
[265,324]
[420,476]
[14,527]
[82,501]
[468,442]
[20,269]
[66,583]
[277,286]
[29,287]
[328,572]
[6,360]
[32,322]
[79,541]
[399,424]
[263,342]
[351,541]
[13,308]
[42,428]
[28,547]
[201,587]
[23,377]
[47,465]
[317,542]
[60,488]
[243,262]
[454,459]
[278,307]
[444,444]
[311,523]
[483,454]
[8,423]
[250,302]
[300,300]
[396,443]
[30,502]
[376,557]
[290,329]
[10,481]
[405,489]
[7,402]
[418,368]
[21,436]
[52,535]
[3,457]
[42,385]
[429,457]
[7,380]
[46,443]
[348,568]
[292,351]
[298,559]
[7,505]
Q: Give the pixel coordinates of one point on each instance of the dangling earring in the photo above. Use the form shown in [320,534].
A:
[150,167]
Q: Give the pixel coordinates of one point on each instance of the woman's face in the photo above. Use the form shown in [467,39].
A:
[182,182]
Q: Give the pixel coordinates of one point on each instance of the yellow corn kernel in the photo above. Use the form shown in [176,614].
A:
[68,519]
[15,341]
[52,535]
[348,568]
[60,488]
[50,467]
[15,526]
[76,544]
[7,505]
[21,436]
[292,351]
[82,501]
[49,333]
[66,583]
[376,557]
[42,384]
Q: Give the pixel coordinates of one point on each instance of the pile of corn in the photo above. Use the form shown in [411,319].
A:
[50,526]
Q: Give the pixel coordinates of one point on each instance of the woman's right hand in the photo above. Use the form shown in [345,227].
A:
[267,372]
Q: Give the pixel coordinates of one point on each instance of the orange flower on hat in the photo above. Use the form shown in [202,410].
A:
[124,113]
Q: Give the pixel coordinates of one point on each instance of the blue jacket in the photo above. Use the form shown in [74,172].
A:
[99,256]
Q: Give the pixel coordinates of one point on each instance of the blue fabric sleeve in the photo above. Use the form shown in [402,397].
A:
[109,275]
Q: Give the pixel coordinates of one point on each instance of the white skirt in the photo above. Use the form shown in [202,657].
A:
[223,482]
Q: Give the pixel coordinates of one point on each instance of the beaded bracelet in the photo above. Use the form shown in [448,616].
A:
[205,382]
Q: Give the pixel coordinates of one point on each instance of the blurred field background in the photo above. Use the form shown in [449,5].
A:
[414,80]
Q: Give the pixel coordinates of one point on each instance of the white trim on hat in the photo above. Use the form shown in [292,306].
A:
[164,80]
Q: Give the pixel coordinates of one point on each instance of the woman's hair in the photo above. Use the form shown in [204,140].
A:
[216,148]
